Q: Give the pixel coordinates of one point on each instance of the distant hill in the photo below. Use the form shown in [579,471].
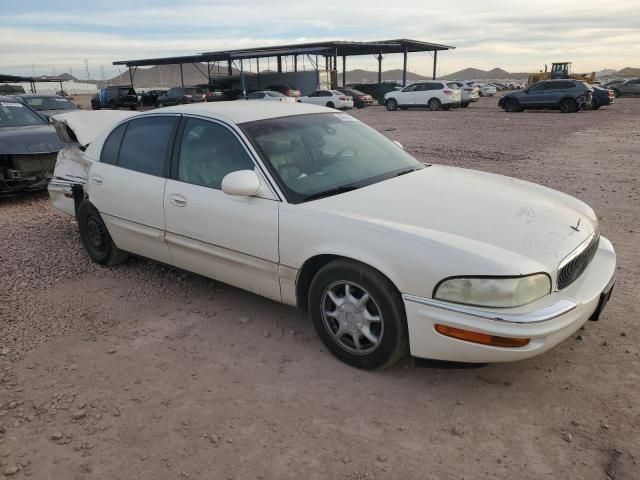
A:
[628,72]
[368,76]
[477,74]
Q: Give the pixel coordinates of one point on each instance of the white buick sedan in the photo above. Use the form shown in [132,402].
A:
[312,208]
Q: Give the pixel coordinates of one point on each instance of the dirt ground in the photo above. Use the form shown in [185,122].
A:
[143,372]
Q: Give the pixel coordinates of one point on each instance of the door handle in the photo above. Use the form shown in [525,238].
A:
[178,200]
[97,179]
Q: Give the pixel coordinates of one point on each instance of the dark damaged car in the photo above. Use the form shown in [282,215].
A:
[28,148]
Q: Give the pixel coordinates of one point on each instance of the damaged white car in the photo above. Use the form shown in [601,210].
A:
[313,208]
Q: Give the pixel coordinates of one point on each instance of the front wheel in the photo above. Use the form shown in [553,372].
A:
[95,237]
[358,314]
[434,104]
[568,105]
[391,104]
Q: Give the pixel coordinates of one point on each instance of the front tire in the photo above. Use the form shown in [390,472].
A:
[358,314]
[95,237]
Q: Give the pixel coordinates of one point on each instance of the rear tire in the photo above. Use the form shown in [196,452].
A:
[434,104]
[511,105]
[568,105]
[330,105]
[340,315]
[391,104]
[616,92]
[95,237]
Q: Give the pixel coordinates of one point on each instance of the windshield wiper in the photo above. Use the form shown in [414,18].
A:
[331,192]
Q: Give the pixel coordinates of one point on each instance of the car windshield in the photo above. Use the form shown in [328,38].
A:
[14,114]
[49,103]
[327,153]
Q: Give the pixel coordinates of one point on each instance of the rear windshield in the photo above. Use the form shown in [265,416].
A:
[14,114]
[452,85]
[127,91]
[49,103]
[191,91]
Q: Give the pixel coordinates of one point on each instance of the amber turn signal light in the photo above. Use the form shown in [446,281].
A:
[482,338]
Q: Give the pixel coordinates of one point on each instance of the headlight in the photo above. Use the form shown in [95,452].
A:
[494,292]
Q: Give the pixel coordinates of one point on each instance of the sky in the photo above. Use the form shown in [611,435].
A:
[50,37]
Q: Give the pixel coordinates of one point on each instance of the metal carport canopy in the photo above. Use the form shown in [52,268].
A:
[331,50]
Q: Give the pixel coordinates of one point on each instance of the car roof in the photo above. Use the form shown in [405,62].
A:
[4,98]
[240,112]
[39,95]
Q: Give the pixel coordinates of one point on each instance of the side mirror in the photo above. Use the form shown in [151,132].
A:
[398,144]
[244,183]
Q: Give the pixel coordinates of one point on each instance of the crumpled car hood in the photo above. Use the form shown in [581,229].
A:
[87,124]
[29,139]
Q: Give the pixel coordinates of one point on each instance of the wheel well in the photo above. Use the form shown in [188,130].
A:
[434,98]
[309,270]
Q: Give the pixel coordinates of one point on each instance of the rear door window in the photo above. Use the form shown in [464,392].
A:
[112,146]
[147,144]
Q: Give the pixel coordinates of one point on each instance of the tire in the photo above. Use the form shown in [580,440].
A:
[568,105]
[511,105]
[391,104]
[95,237]
[616,92]
[382,316]
[330,105]
[95,106]
[113,105]
[133,107]
[465,105]
[596,107]
[434,104]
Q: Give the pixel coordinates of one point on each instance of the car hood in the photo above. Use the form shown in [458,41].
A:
[29,139]
[474,209]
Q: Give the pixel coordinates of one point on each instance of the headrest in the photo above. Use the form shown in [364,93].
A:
[276,147]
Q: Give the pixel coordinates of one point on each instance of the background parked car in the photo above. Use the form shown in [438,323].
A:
[329,98]
[288,90]
[433,95]
[269,96]
[486,89]
[600,97]
[28,148]
[47,105]
[568,96]
[612,83]
[360,99]
[376,90]
[470,93]
[629,87]
[181,96]
[150,98]
[115,97]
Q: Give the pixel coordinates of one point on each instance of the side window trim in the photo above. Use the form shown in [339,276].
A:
[248,147]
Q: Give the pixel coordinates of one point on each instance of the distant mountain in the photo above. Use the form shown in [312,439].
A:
[628,72]
[477,74]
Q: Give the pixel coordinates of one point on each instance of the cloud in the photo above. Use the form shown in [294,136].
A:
[512,35]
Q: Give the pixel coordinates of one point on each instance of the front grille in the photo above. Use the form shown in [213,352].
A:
[570,272]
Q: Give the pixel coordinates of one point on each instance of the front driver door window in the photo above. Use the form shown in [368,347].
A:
[233,239]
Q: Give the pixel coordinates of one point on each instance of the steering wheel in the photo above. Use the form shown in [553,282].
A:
[340,153]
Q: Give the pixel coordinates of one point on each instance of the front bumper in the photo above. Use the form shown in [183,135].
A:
[546,322]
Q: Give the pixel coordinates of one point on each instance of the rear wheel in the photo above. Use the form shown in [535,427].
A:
[616,92]
[358,314]
[95,237]
[330,105]
[434,104]
[511,105]
[568,105]
[391,104]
